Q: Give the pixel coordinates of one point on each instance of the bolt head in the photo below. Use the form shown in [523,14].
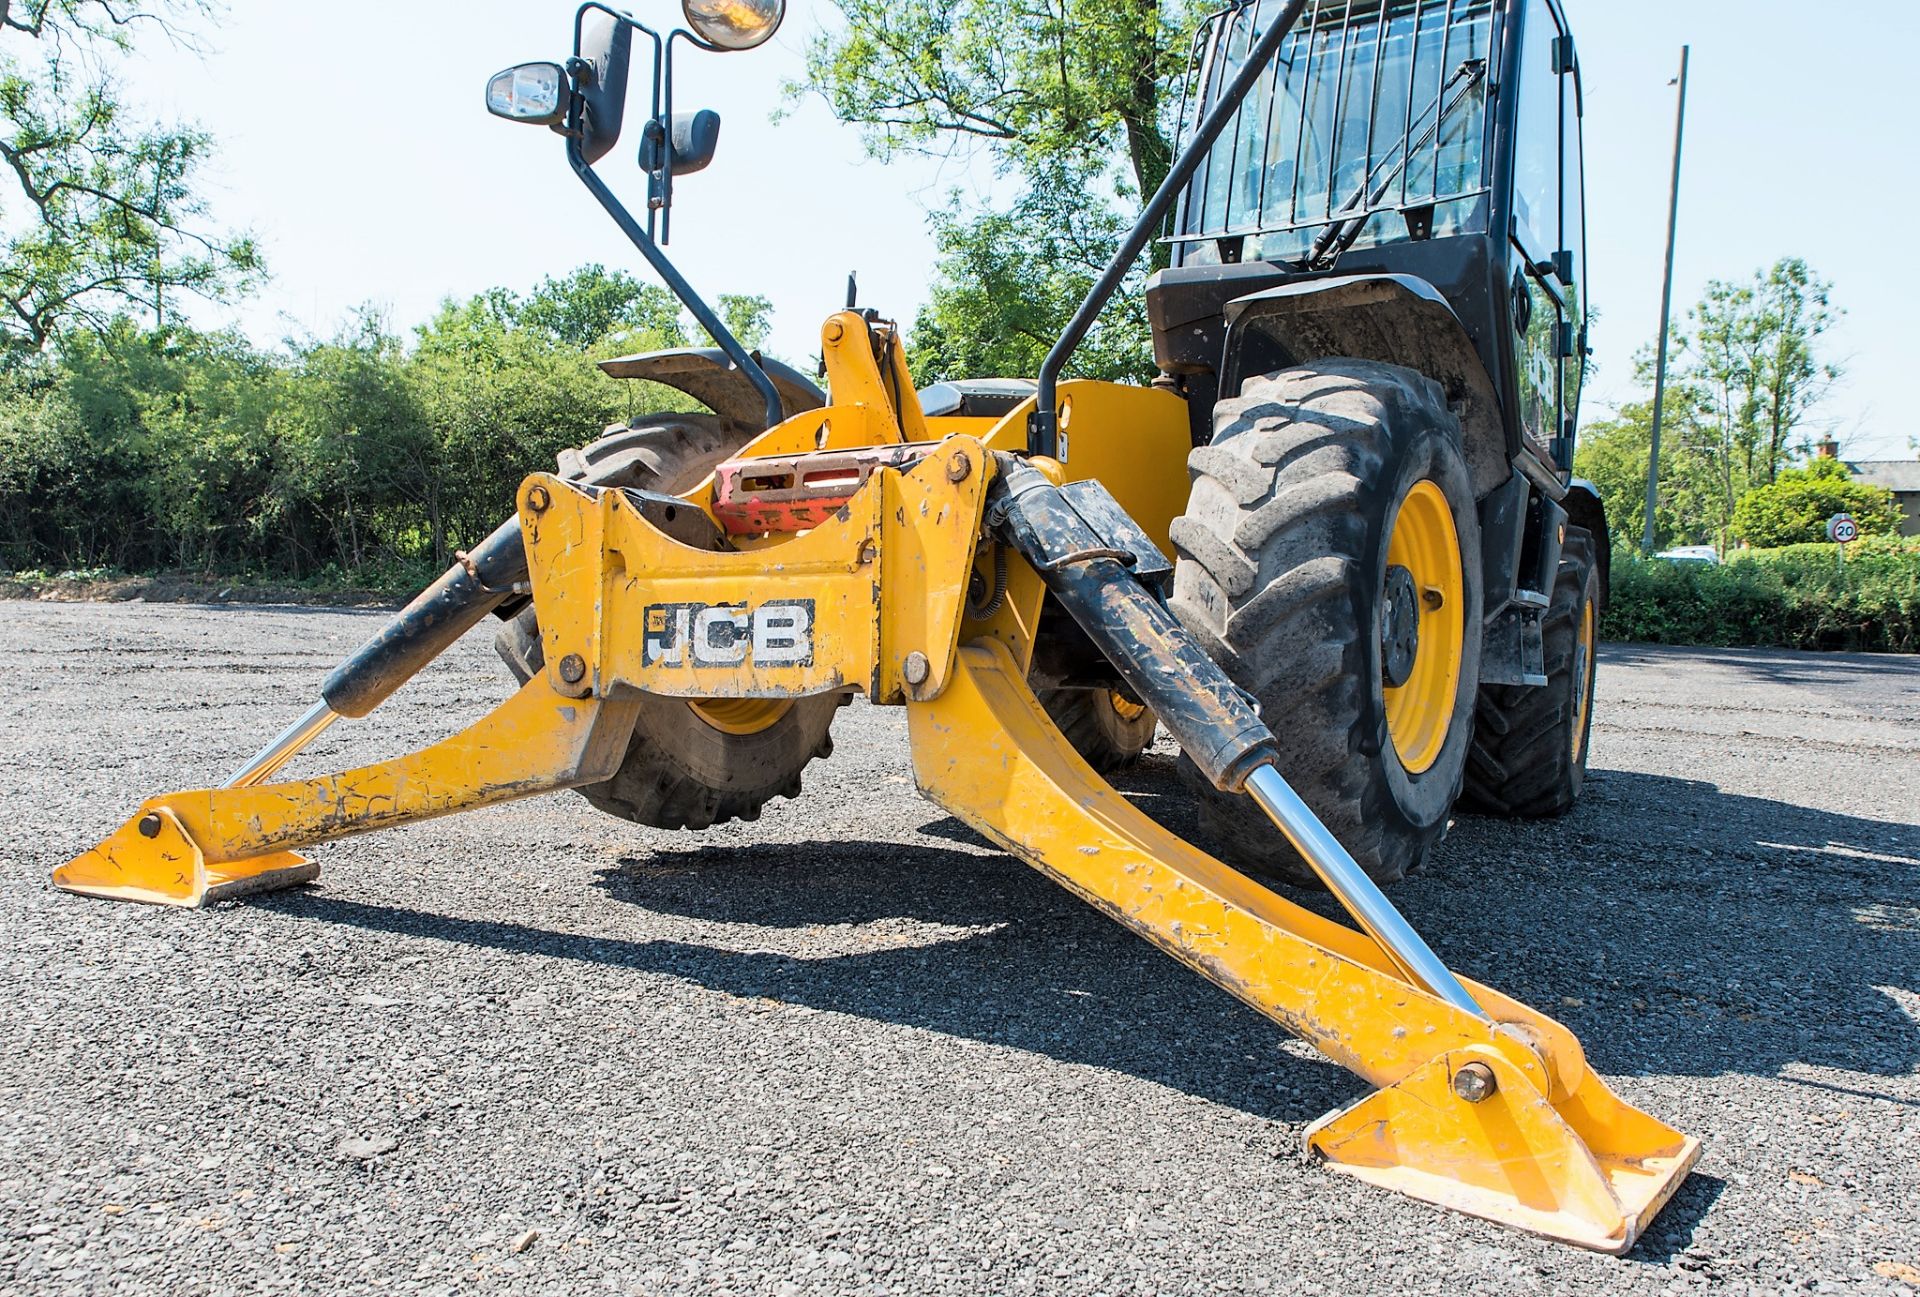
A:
[573,668]
[917,668]
[538,500]
[1475,1083]
[149,825]
[959,466]
[834,331]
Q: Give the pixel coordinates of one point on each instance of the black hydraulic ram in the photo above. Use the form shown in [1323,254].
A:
[1166,668]
[417,634]
[1207,714]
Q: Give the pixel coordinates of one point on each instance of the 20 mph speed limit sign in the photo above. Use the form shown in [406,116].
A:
[1842,529]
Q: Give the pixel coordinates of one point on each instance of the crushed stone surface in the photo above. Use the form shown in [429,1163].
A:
[849,1048]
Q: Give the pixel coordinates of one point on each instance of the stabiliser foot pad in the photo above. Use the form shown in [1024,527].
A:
[1508,1154]
[152,858]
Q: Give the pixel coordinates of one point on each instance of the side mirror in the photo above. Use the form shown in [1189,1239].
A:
[695,136]
[535,93]
[606,48]
[734,24]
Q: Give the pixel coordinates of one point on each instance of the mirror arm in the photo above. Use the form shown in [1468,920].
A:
[666,123]
[702,313]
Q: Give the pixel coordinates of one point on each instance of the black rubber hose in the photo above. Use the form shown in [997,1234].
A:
[438,616]
[1206,713]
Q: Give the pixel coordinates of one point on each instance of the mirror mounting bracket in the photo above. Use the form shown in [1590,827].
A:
[589,139]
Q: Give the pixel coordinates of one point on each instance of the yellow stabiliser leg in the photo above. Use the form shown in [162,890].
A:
[1501,1120]
[209,844]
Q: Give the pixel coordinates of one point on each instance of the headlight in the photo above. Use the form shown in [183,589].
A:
[531,92]
[734,24]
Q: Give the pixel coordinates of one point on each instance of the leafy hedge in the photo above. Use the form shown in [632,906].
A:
[1798,596]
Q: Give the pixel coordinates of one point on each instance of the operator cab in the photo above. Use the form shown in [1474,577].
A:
[1437,139]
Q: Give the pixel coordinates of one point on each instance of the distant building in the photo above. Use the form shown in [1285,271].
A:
[1900,476]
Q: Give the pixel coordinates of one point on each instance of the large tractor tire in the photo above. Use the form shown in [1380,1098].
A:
[1105,726]
[1329,559]
[689,765]
[1529,756]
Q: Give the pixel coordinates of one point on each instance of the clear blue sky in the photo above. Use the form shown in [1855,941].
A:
[353,143]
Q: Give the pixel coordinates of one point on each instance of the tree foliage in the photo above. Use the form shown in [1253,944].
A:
[990,313]
[355,456]
[1746,374]
[1612,454]
[1747,361]
[748,317]
[101,208]
[1795,507]
[1072,100]
[594,304]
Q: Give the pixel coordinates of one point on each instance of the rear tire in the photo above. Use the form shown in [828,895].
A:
[688,765]
[1529,756]
[1108,728]
[1283,573]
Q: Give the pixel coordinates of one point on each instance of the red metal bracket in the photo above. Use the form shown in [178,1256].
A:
[789,493]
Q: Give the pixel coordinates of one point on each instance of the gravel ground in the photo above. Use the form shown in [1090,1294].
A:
[850,1049]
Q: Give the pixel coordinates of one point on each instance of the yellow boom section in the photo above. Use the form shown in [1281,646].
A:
[1546,1148]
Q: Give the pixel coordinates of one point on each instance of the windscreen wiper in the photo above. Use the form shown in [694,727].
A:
[1353,214]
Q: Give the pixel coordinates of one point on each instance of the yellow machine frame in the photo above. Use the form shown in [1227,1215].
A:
[1495,1115]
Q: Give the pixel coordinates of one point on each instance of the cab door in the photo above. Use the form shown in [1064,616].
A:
[1547,229]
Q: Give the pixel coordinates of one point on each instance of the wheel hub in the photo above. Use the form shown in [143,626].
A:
[1399,627]
[1422,626]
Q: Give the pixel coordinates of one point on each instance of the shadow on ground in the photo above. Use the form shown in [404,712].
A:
[1699,932]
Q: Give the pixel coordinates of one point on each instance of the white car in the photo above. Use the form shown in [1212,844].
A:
[1703,554]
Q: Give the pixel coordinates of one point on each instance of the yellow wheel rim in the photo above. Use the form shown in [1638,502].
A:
[1583,678]
[1420,708]
[1125,707]
[741,715]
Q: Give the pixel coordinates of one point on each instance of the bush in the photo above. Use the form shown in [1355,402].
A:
[1794,508]
[1798,596]
[360,460]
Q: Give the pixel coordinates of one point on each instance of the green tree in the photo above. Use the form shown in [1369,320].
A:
[592,305]
[1612,454]
[990,313]
[1072,101]
[1748,359]
[748,317]
[500,401]
[1794,508]
[360,468]
[101,209]
[1745,374]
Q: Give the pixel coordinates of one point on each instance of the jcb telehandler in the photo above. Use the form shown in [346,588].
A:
[1382,595]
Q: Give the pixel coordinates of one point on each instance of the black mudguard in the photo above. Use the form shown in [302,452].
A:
[1395,319]
[705,374]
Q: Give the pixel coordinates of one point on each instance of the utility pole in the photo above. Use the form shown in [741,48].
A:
[1666,309]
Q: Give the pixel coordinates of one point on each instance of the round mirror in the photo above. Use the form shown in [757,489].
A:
[734,24]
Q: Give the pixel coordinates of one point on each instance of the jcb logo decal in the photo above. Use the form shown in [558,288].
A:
[728,634]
